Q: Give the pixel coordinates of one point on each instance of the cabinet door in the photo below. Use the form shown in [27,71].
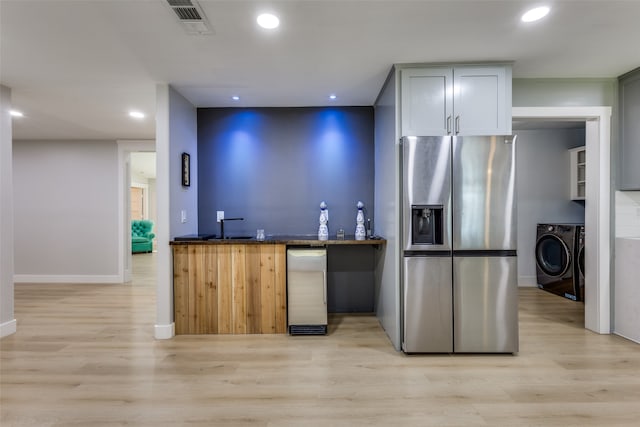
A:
[630,131]
[427,101]
[482,100]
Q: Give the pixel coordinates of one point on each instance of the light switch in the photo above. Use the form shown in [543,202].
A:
[183,216]
[219,215]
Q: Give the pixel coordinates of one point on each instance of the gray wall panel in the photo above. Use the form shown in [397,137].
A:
[387,189]
[350,279]
[273,166]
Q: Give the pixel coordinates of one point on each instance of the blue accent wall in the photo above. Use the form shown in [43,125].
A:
[273,166]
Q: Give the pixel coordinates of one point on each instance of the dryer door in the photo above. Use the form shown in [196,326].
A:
[581,261]
[552,255]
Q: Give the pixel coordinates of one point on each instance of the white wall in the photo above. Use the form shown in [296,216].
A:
[387,210]
[66,216]
[176,132]
[153,202]
[183,138]
[627,316]
[7,320]
[627,213]
[542,189]
[564,92]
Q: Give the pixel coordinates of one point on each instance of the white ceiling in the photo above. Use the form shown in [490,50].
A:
[77,67]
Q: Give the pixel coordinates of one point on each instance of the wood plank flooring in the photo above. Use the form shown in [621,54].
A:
[85,355]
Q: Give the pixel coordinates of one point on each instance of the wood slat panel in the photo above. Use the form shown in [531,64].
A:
[225,308]
[267,289]
[201,309]
[230,289]
[192,281]
[180,288]
[211,284]
[239,287]
[253,283]
[280,269]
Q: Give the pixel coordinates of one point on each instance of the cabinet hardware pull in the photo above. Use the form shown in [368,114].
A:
[449,124]
[457,124]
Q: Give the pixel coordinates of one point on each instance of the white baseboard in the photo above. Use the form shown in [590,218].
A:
[165,332]
[41,278]
[527,282]
[8,328]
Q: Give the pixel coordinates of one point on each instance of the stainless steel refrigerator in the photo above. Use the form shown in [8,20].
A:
[459,245]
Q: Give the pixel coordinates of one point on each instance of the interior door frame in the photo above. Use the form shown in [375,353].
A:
[125,148]
[597,315]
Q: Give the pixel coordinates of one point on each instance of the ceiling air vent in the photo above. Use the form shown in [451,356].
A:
[190,16]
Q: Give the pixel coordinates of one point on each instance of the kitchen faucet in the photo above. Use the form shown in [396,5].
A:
[222,224]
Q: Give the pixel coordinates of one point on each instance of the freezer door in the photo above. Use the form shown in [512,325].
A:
[485,300]
[428,315]
[426,187]
[483,189]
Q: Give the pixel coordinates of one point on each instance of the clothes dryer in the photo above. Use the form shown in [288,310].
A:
[579,267]
[555,259]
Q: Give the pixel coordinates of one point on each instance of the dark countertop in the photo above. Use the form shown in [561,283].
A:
[307,240]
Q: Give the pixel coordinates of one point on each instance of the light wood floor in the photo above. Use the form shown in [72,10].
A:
[85,355]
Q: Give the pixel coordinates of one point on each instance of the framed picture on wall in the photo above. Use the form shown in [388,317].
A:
[186,170]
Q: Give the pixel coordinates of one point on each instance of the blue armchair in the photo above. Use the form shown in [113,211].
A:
[141,236]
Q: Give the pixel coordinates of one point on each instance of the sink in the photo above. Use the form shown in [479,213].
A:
[234,238]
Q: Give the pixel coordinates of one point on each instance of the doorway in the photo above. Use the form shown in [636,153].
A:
[128,175]
[597,204]
[543,196]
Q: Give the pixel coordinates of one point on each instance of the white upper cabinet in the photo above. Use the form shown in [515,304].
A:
[482,100]
[459,100]
[427,101]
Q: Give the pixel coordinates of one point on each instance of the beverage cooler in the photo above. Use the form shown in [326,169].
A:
[307,291]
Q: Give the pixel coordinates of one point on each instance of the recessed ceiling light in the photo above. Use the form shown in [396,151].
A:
[268,21]
[535,14]
[136,114]
[16,113]
[235,98]
[332,96]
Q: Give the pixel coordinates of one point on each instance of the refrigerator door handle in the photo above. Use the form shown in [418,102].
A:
[457,125]
[449,125]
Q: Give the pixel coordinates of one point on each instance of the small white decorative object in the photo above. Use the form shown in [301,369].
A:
[323,230]
[361,234]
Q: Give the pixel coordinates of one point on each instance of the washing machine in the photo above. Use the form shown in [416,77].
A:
[555,259]
[579,267]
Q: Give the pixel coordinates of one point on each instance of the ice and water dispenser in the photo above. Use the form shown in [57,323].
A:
[426,224]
